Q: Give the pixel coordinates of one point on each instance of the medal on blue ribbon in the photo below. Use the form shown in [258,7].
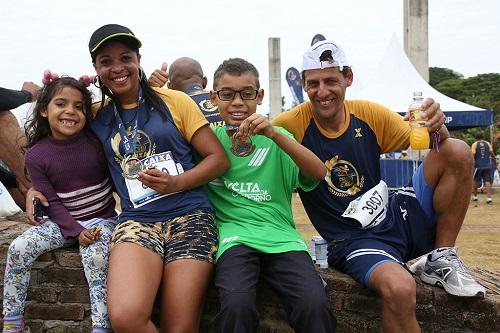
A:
[131,165]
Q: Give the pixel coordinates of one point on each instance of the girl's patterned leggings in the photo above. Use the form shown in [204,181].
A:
[45,237]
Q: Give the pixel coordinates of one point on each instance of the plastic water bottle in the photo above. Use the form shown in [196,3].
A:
[419,134]
[312,249]
[321,251]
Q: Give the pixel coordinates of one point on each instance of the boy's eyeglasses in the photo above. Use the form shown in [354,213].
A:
[245,94]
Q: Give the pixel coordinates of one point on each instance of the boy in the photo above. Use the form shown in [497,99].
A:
[253,211]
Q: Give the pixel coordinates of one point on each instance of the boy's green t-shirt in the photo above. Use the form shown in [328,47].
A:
[252,200]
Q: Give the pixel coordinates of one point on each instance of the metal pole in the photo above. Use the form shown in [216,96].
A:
[416,34]
[274,77]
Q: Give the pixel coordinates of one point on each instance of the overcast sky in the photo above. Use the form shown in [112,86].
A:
[464,35]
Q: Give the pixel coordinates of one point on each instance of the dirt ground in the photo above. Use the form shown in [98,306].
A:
[478,241]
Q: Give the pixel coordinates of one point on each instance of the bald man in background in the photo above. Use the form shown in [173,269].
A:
[185,74]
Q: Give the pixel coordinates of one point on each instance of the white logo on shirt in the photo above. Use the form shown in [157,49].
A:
[404,212]
[258,157]
[229,239]
[248,190]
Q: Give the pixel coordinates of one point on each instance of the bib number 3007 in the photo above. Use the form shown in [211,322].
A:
[371,208]
[373,203]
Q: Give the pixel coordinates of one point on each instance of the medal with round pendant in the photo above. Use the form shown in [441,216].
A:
[241,146]
[131,166]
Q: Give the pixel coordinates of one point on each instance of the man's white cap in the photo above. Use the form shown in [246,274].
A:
[311,59]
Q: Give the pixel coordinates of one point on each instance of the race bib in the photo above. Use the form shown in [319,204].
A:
[140,194]
[371,208]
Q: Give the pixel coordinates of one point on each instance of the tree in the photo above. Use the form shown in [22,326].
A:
[438,74]
[482,90]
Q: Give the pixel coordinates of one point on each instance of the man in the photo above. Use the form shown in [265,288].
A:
[12,139]
[484,163]
[185,74]
[371,236]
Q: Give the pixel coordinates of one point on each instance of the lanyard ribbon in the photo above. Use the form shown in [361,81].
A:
[129,142]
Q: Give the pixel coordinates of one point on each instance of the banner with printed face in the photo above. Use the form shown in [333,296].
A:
[294,81]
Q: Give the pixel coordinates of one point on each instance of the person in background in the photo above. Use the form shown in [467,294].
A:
[66,164]
[484,164]
[12,140]
[185,74]
[404,155]
[252,202]
[166,238]
[370,234]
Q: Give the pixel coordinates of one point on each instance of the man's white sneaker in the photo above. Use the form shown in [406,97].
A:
[449,272]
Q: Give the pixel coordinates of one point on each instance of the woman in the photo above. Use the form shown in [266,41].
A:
[166,234]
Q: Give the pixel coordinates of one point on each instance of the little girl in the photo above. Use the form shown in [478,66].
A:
[66,164]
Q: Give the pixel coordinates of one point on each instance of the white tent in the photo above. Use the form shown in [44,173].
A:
[395,79]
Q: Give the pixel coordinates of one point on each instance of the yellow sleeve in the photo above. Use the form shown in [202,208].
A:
[186,114]
[392,132]
[473,148]
[96,107]
[295,120]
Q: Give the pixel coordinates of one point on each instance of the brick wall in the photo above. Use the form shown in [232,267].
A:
[58,300]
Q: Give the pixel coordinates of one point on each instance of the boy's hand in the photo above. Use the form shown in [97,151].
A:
[86,237]
[159,77]
[257,124]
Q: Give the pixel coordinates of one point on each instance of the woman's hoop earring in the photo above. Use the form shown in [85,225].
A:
[97,82]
